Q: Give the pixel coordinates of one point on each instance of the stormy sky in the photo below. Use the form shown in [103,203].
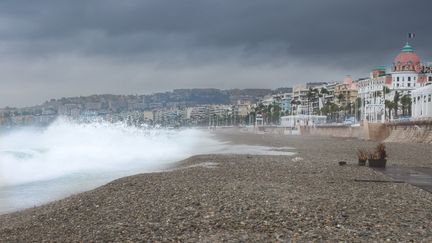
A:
[56,48]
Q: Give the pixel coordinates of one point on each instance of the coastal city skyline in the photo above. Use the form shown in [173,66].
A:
[77,51]
[386,94]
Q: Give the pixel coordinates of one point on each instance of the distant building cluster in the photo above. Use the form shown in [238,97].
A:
[402,91]
[182,107]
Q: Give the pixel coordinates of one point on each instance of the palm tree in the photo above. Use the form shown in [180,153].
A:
[396,99]
[357,108]
[294,105]
[276,111]
[341,99]
[269,109]
[386,90]
[406,105]
[388,105]
[261,110]
[309,96]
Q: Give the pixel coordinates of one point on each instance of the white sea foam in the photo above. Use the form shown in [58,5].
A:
[40,165]
[64,148]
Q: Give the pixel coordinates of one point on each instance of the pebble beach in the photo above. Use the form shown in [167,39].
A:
[213,198]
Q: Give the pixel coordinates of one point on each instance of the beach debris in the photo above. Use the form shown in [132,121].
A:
[341,163]
[297,159]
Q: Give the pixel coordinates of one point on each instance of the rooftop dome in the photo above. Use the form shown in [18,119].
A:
[407,48]
[407,60]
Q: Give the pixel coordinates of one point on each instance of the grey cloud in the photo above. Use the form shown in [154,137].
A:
[327,39]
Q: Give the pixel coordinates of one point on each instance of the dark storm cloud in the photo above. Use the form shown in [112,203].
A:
[284,37]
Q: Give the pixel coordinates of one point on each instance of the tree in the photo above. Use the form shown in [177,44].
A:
[341,99]
[269,113]
[386,90]
[309,96]
[357,108]
[406,105]
[276,111]
[324,91]
[388,104]
[396,99]
[294,105]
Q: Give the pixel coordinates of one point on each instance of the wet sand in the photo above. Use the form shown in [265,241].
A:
[208,198]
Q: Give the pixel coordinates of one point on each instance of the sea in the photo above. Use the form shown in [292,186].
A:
[43,164]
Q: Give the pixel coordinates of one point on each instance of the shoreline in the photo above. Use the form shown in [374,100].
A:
[244,197]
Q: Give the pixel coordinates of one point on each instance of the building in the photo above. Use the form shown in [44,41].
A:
[327,93]
[422,102]
[407,74]
[372,94]
[283,100]
[305,99]
[300,100]
[427,70]
[407,71]
[302,120]
[346,92]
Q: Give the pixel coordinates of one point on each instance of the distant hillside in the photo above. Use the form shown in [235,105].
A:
[175,98]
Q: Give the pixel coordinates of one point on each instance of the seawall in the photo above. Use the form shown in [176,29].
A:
[402,132]
[367,131]
[410,132]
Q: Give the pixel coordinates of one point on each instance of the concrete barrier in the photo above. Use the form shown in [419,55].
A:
[410,132]
[367,131]
[344,131]
[405,132]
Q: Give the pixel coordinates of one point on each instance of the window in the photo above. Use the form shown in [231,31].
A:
[409,84]
[409,79]
[397,79]
[430,78]
[403,78]
[429,98]
[397,85]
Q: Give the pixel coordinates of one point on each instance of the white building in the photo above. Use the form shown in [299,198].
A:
[371,92]
[422,102]
[302,120]
[407,71]
[300,105]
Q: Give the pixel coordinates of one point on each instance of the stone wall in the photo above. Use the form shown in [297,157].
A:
[410,132]
[343,131]
[368,131]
